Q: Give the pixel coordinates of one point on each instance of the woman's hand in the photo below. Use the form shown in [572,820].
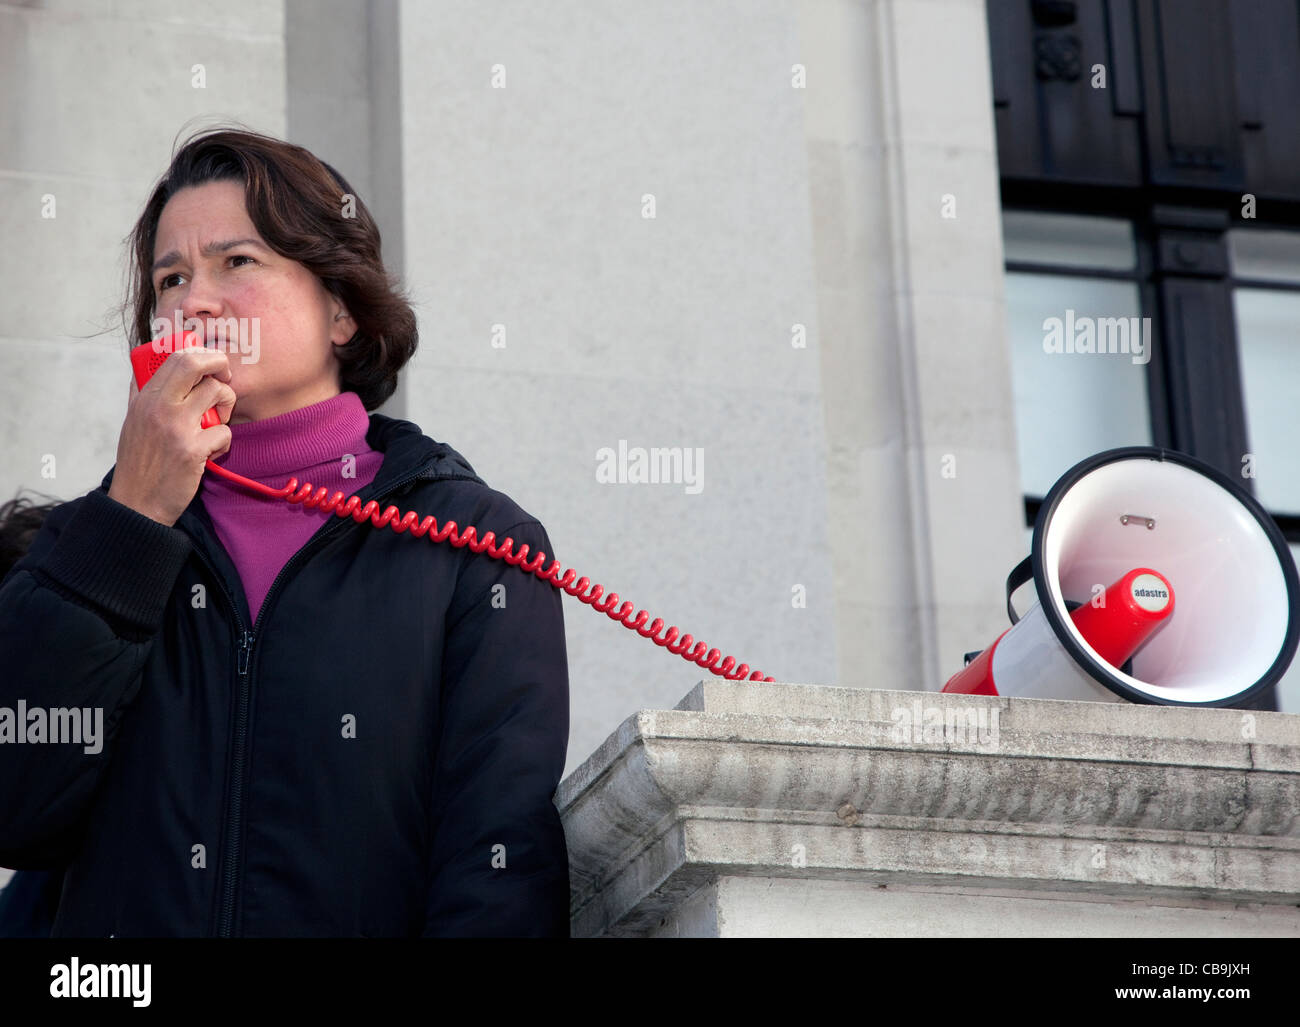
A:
[161,450]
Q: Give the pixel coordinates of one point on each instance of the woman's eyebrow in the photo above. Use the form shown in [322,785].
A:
[167,259]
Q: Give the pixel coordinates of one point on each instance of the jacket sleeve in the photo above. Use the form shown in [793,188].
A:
[78,614]
[499,863]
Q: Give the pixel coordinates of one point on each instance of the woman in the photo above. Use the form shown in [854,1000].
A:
[310,726]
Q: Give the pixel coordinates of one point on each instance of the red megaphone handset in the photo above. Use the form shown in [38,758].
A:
[148,357]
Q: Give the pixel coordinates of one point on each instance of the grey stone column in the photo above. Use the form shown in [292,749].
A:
[923,481]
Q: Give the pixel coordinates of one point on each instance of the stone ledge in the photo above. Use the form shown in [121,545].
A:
[805,782]
[756,907]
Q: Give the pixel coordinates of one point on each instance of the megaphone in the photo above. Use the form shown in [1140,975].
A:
[1159,580]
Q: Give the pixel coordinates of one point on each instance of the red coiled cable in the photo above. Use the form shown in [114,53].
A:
[411,522]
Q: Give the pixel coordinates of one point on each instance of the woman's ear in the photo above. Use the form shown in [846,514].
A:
[342,327]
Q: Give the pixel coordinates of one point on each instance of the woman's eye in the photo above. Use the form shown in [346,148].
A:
[166,283]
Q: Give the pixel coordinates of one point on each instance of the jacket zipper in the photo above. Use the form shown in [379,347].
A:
[234,818]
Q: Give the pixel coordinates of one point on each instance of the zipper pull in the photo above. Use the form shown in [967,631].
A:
[245,647]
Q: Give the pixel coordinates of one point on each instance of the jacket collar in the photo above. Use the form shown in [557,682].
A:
[409,454]
[407,450]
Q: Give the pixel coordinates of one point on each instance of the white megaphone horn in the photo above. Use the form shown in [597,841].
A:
[1158,580]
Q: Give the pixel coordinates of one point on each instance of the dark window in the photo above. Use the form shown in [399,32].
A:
[1150,170]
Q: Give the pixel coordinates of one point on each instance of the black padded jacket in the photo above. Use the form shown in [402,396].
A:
[376,756]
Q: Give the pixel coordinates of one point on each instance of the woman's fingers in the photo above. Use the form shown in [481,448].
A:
[186,368]
[212,392]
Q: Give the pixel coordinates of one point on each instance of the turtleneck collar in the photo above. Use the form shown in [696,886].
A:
[291,442]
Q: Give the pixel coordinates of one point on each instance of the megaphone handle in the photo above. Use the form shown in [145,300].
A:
[1021,573]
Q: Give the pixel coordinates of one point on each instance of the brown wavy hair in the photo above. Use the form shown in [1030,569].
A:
[296,202]
[20,519]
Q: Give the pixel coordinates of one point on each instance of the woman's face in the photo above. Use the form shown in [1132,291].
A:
[212,265]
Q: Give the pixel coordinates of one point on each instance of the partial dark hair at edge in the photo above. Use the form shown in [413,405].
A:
[296,202]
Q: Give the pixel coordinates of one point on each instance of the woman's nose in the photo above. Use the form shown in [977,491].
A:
[202,298]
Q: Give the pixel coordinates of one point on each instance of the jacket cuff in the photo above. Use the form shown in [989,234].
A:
[119,561]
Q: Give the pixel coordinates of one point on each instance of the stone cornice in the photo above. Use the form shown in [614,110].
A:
[1166,804]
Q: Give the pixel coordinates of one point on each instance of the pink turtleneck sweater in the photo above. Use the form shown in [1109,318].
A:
[310,444]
